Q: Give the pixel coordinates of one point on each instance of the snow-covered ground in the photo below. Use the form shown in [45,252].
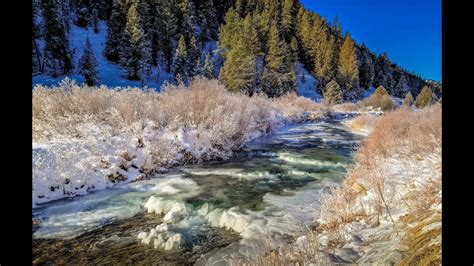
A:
[306,84]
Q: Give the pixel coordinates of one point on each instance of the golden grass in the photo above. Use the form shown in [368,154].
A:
[347,107]
[364,121]
[422,246]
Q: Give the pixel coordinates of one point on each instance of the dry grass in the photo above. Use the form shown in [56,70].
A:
[364,121]
[422,245]
[347,107]
[416,131]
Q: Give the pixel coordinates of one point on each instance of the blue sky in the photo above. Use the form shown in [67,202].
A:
[409,31]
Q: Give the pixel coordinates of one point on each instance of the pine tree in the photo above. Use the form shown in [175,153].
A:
[115,29]
[193,57]
[323,47]
[381,99]
[135,55]
[279,74]
[333,93]
[261,22]
[65,14]
[348,74]
[188,19]
[239,70]
[209,24]
[402,86]
[57,54]
[180,62]
[288,19]
[167,29]
[95,20]
[35,52]
[408,101]
[228,32]
[294,50]
[88,65]
[425,98]
[380,91]
[366,69]
[208,69]
[251,36]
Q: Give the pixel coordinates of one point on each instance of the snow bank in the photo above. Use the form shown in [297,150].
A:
[306,84]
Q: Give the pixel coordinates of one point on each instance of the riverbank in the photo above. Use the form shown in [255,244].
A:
[388,210]
[87,139]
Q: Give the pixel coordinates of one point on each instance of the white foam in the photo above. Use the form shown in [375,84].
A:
[160,205]
[232,172]
[294,158]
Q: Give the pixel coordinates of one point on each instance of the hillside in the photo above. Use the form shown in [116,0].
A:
[251,46]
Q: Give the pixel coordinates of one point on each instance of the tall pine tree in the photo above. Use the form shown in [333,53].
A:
[135,55]
[167,30]
[193,57]
[115,29]
[279,73]
[180,62]
[239,70]
[347,71]
[209,21]
[88,65]
[366,69]
[208,68]
[57,54]
[188,19]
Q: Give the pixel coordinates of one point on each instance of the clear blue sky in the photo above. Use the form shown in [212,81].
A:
[409,31]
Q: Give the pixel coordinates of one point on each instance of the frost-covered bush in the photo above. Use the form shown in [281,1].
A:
[179,125]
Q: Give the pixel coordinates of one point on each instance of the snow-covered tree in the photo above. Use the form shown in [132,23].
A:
[180,62]
[167,29]
[188,19]
[95,20]
[57,54]
[193,57]
[115,29]
[88,65]
[208,68]
[209,22]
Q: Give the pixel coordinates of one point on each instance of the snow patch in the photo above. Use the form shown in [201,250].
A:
[306,84]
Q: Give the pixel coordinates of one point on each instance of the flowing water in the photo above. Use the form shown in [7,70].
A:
[201,214]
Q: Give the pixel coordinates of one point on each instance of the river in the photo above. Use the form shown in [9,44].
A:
[208,213]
